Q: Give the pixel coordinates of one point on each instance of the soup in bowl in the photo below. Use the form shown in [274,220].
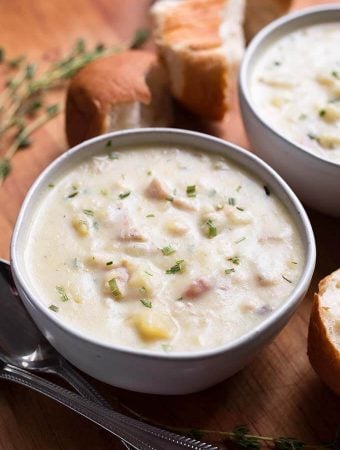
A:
[161,260]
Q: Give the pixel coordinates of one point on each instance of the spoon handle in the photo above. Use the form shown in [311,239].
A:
[65,371]
[139,435]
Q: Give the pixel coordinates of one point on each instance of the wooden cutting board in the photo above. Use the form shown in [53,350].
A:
[278,394]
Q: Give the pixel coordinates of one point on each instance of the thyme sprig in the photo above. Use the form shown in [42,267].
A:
[242,438]
[23,108]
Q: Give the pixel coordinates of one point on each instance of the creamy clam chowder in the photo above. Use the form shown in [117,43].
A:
[162,248]
[296,88]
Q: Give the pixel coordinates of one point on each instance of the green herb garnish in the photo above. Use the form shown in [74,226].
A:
[108,143]
[231,201]
[62,293]
[168,250]
[166,347]
[212,230]
[88,212]
[266,190]
[239,187]
[124,195]
[240,240]
[148,273]
[109,263]
[178,267]
[53,308]
[114,288]
[191,191]
[235,260]
[170,198]
[113,156]
[50,185]
[146,303]
[285,278]
[322,112]
[150,215]
[228,271]
[73,194]
[336,74]
[239,208]
[149,172]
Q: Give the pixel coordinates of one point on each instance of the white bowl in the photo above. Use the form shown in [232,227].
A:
[315,180]
[146,371]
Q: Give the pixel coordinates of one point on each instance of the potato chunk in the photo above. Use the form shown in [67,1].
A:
[80,226]
[152,326]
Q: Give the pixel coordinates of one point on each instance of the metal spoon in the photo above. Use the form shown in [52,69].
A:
[23,345]
[15,350]
[141,436]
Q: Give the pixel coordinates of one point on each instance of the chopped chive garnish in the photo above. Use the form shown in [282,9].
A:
[240,240]
[178,267]
[149,172]
[191,191]
[179,299]
[114,288]
[239,208]
[168,250]
[231,201]
[88,212]
[109,263]
[50,185]
[104,192]
[312,136]
[277,63]
[108,143]
[322,112]
[228,271]
[266,190]
[212,230]
[73,194]
[166,347]
[146,303]
[150,215]
[124,195]
[293,262]
[142,290]
[53,308]
[113,155]
[148,273]
[336,74]
[239,187]
[235,260]
[170,198]
[62,293]
[289,281]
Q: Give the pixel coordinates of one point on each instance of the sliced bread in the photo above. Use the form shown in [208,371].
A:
[201,43]
[324,332]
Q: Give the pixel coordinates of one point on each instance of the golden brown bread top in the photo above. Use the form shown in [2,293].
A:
[194,24]
[322,350]
[119,78]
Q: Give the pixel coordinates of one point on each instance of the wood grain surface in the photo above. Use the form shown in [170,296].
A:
[277,394]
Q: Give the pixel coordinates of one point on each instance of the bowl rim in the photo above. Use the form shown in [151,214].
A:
[256,43]
[306,234]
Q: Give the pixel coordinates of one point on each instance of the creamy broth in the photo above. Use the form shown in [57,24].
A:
[162,248]
[296,88]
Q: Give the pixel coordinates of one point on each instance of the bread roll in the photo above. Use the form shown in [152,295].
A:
[324,332]
[201,42]
[125,90]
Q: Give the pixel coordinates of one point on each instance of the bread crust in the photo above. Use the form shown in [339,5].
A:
[322,351]
[189,40]
[117,79]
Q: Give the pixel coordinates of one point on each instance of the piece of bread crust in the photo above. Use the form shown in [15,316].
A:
[201,43]
[126,90]
[324,332]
